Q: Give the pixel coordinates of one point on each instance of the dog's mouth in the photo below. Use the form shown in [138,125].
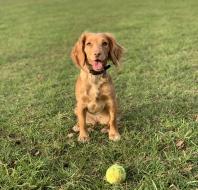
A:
[98,65]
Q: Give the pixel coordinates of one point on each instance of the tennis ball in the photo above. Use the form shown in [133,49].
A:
[115,174]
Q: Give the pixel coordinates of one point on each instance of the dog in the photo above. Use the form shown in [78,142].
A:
[95,93]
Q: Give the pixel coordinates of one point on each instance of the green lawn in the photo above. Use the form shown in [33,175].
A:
[156,89]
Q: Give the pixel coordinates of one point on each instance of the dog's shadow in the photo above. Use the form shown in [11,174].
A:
[140,116]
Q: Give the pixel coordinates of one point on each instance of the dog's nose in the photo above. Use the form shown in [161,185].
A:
[97,54]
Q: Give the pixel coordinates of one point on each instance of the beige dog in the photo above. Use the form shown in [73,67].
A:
[95,94]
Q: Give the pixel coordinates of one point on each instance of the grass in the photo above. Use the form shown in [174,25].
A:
[157,92]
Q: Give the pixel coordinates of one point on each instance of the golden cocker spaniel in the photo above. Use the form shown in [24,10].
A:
[95,94]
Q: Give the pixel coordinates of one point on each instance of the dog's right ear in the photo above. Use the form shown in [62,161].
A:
[77,53]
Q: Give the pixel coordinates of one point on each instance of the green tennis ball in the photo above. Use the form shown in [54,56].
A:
[115,174]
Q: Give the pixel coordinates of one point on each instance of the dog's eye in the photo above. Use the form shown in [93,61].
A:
[88,43]
[104,43]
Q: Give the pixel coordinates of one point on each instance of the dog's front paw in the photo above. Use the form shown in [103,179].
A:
[114,136]
[83,138]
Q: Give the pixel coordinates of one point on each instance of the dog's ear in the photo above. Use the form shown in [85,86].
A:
[77,53]
[116,50]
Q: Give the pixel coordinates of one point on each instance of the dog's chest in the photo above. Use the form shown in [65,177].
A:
[95,94]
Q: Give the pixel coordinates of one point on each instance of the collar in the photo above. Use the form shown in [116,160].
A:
[93,72]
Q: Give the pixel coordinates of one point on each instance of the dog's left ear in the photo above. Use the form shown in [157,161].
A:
[77,53]
[116,50]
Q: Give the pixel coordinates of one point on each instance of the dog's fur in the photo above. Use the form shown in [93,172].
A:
[95,94]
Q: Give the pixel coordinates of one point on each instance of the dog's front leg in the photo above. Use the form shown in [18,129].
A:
[81,114]
[113,129]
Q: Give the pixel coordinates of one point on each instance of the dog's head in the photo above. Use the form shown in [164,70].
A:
[94,50]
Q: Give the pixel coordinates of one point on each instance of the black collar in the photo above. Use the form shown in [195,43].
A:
[93,72]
